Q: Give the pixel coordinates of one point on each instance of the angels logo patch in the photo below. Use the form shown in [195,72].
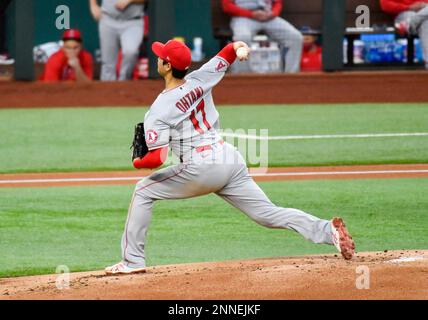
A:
[151,136]
[220,66]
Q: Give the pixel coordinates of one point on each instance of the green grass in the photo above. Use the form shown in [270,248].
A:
[85,139]
[81,227]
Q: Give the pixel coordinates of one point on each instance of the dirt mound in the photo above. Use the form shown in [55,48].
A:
[388,275]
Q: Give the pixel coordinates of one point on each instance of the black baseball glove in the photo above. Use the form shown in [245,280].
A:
[139,145]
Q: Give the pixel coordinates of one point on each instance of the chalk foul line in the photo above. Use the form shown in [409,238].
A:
[269,174]
[325,136]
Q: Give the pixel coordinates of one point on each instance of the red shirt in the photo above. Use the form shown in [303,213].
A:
[232,9]
[395,7]
[57,68]
[312,60]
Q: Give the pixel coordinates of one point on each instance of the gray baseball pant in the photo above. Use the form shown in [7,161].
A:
[223,171]
[418,25]
[279,30]
[115,35]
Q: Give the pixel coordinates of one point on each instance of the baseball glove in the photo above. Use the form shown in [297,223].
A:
[139,145]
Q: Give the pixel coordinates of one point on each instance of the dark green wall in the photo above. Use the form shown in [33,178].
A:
[9,29]
[45,17]
[80,18]
[193,18]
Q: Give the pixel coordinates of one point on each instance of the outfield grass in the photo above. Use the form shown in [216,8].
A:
[85,139]
[81,227]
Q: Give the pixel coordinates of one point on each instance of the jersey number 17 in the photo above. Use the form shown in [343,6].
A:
[199,109]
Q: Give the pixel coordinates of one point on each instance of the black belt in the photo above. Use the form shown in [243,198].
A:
[116,18]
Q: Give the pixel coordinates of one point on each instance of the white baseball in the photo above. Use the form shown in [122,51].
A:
[242,53]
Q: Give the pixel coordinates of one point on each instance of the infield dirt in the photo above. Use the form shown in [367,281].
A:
[375,275]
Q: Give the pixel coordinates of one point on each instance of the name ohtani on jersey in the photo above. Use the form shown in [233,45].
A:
[189,99]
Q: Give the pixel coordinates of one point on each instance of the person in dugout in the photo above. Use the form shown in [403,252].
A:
[312,51]
[71,62]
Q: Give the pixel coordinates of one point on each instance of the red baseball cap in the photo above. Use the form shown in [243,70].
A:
[72,34]
[175,52]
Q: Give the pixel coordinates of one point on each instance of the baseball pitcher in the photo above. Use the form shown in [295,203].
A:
[184,118]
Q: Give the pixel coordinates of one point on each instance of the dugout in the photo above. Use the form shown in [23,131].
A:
[33,22]
[335,20]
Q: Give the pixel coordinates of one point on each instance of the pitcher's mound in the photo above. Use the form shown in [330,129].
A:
[374,275]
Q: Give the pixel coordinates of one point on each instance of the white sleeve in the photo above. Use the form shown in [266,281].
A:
[157,132]
[211,72]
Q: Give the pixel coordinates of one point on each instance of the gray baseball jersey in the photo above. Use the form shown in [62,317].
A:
[186,119]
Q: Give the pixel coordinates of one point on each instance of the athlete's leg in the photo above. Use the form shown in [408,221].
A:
[423,36]
[175,182]
[244,29]
[418,23]
[417,18]
[288,37]
[243,193]
[130,40]
[109,42]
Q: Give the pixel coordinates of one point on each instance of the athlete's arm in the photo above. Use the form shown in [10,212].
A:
[152,160]
[228,53]
[83,73]
[211,73]
[95,9]
[123,4]
[81,76]
[232,9]
[88,66]
[393,7]
[52,69]
[277,8]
